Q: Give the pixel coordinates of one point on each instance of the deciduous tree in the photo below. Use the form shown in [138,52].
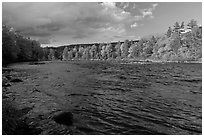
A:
[65,54]
[124,49]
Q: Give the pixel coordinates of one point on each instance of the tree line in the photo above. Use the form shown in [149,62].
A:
[18,48]
[180,43]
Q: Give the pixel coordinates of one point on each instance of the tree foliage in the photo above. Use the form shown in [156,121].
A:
[169,32]
[93,52]
[192,24]
[172,46]
[109,51]
[118,50]
[65,54]
[124,49]
[16,47]
[51,55]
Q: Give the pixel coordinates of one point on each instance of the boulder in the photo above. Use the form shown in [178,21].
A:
[64,118]
[16,80]
[5,82]
[8,77]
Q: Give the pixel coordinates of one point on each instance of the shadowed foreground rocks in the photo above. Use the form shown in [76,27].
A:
[13,123]
[13,120]
[27,106]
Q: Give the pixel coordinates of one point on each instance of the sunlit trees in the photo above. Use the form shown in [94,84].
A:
[184,54]
[175,42]
[65,54]
[162,46]
[74,52]
[93,52]
[169,32]
[70,55]
[80,53]
[51,55]
[86,53]
[147,49]
[170,56]
[193,41]
[134,51]
[192,24]
[103,52]
[99,50]
[109,51]
[118,50]
[176,27]
[124,49]
[182,25]
[76,56]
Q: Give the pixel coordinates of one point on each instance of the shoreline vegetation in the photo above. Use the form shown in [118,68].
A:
[133,61]
[181,43]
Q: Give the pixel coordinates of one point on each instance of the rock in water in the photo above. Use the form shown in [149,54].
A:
[65,118]
[8,77]
[5,82]
[16,80]
[6,85]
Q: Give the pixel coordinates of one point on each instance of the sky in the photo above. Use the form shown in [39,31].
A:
[64,23]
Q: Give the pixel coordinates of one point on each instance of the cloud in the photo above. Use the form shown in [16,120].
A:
[148,12]
[134,25]
[79,36]
[44,40]
[72,21]
[154,5]
[109,4]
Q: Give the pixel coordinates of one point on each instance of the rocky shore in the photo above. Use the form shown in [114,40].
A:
[27,109]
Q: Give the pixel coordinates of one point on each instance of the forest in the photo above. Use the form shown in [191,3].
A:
[179,43]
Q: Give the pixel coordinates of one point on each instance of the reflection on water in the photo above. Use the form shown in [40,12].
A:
[140,99]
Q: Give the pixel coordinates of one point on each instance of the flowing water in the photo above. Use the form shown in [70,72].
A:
[139,99]
[112,98]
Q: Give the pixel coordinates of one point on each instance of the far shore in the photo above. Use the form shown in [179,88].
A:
[130,61]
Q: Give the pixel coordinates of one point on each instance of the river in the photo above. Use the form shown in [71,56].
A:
[112,98]
[140,99]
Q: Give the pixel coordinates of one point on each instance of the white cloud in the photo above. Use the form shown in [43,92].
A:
[71,21]
[109,4]
[134,25]
[134,6]
[146,12]
[149,11]
[154,5]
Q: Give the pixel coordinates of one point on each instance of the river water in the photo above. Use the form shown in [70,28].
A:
[138,99]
